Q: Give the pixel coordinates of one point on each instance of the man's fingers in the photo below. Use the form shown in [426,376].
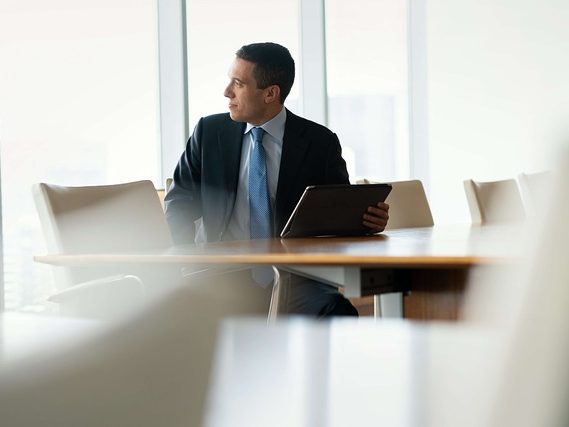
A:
[375,227]
[378,212]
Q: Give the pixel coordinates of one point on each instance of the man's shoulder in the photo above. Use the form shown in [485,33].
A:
[216,119]
[302,124]
[217,123]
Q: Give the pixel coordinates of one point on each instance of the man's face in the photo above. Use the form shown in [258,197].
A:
[246,101]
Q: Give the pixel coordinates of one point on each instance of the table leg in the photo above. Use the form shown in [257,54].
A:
[430,294]
[436,294]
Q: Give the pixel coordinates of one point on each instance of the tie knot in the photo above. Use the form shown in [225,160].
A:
[258,135]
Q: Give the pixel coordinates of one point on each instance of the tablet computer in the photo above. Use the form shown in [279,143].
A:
[334,210]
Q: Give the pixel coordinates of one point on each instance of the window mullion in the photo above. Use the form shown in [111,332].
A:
[312,69]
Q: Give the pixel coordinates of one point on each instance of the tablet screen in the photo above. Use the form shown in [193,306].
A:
[334,210]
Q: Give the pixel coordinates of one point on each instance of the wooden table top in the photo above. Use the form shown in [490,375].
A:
[439,246]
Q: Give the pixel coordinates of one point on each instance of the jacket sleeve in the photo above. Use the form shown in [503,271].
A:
[183,204]
[336,171]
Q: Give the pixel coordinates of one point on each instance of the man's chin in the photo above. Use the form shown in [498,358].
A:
[235,117]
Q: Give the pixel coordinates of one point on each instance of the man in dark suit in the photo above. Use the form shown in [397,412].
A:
[216,182]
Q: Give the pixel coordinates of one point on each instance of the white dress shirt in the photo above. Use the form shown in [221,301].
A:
[239,227]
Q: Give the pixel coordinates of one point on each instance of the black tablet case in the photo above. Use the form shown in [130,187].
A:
[333,210]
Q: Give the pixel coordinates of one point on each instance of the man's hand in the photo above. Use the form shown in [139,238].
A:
[376,217]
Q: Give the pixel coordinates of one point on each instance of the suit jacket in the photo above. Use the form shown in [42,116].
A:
[206,177]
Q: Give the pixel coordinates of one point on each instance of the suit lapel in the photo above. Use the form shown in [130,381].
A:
[295,147]
[294,150]
[230,139]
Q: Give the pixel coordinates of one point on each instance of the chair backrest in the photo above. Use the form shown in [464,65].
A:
[98,219]
[163,191]
[408,205]
[494,201]
[168,184]
[101,219]
[535,189]
[161,194]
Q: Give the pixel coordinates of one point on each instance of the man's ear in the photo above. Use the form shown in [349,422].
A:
[273,94]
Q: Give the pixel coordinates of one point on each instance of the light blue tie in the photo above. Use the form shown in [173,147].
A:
[259,202]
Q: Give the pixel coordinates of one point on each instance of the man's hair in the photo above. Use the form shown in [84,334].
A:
[273,65]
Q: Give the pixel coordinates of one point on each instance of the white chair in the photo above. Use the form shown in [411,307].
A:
[105,297]
[99,219]
[96,218]
[408,207]
[494,201]
[119,218]
[535,188]
[162,192]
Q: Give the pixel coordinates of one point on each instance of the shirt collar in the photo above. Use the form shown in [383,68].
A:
[274,127]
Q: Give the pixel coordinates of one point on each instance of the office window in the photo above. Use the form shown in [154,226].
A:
[498,94]
[78,106]
[366,49]
[215,33]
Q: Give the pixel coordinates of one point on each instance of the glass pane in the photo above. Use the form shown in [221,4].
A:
[78,106]
[366,49]
[498,94]
[215,33]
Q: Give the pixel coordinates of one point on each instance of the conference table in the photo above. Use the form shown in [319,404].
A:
[429,265]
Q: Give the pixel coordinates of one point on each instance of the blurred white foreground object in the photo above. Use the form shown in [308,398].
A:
[147,369]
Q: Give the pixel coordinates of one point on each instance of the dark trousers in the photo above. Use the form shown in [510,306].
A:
[303,297]
[313,298]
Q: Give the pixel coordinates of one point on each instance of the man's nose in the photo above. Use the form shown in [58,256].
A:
[227,92]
